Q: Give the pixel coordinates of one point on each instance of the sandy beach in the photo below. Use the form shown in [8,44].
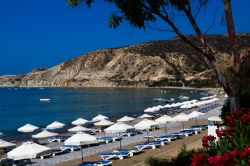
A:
[170,150]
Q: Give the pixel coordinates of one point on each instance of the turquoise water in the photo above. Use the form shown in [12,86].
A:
[19,106]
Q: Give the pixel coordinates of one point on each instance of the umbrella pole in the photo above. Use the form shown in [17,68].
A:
[166,128]
[196,121]
[147,135]
[183,125]
[120,144]
[81,154]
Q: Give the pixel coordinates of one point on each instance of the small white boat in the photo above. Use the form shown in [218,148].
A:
[171,100]
[184,97]
[159,99]
[45,100]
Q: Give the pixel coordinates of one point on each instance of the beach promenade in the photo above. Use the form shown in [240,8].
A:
[91,153]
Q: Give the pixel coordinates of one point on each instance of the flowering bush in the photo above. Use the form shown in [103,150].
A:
[233,146]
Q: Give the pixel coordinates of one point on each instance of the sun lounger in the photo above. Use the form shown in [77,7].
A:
[169,138]
[131,151]
[70,147]
[110,155]
[57,139]
[108,139]
[96,163]
[10,162]
[193,131]
[182,133]
[203,127]
[149,145]
[56,152]
[105,140]
[130,133]
[48,155]
[90,132]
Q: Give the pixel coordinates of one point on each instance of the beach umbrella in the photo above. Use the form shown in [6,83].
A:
[78,129]
[181,118]
[103,122]
[5,144]
[99,117]
[164,120]
[55,125]
[195,114]
[126,119]
[44,134]
[145,124]
[118,127]
[28,150]
[146,116]
[80,139]
[79,121]
[28,128]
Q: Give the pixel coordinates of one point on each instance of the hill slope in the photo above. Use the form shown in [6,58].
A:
[157,63]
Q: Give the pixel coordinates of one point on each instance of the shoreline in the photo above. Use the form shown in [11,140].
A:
[118,87]
[91,153]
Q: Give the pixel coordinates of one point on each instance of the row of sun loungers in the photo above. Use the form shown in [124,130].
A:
[108,139]
[158,142]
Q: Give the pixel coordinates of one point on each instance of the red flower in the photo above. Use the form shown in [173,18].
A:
[227,158]
[228,118]
[206,140]
[245,118]
[199,159]
[248,161]
[216,160]
[236,114]
[219,133]
[245,152]
[234,153]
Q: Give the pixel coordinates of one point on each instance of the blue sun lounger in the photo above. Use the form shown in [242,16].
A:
[70,147]
[182,133]
[56,152]
[193,130]
[203,127]
[110,155]
[96,163]
[129,133]
[57,139]
[149,145]
[168,138]
[132,152]
[108,139]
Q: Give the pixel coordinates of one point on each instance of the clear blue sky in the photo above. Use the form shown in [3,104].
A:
[43,33]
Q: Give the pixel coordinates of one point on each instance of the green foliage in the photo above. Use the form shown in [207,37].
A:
[184,158]
[139,12]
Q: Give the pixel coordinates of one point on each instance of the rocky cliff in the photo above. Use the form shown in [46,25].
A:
[157,63]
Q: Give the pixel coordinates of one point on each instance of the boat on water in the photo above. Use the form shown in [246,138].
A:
[171,100]
[159,99]
[44,100]
[184,97]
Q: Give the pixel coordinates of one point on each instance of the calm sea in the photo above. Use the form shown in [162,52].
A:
[19,106]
